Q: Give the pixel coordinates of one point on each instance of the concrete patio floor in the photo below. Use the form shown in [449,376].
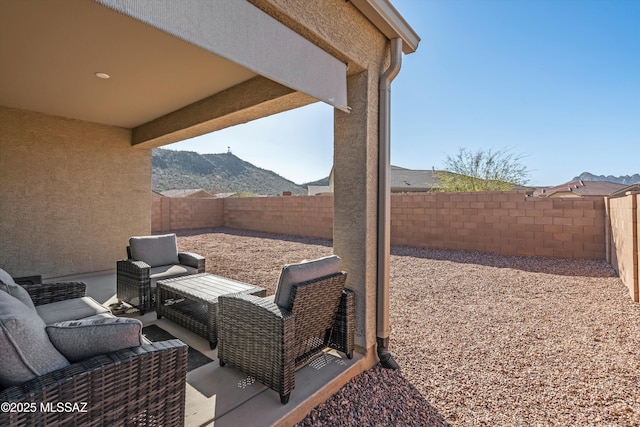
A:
[224,397]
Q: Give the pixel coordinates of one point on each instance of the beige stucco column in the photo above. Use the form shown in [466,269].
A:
[355,202]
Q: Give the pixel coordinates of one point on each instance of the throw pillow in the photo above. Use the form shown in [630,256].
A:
[26,350]
[293,274]
[12,288]
[85,338]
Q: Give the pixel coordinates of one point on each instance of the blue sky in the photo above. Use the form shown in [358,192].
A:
[557,81]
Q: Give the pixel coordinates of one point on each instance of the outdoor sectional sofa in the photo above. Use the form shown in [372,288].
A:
[66,360]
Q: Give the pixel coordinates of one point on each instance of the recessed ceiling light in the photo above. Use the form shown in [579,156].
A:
[103,75]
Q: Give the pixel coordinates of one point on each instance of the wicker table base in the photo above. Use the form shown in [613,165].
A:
[190,301]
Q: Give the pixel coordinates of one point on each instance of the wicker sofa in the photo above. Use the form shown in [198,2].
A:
[149,259]
[270,338]
[143,384]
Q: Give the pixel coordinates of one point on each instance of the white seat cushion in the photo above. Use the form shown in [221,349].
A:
[99,316]
[71,309]
[169,271]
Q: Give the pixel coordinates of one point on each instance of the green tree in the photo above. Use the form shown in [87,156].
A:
[483,170]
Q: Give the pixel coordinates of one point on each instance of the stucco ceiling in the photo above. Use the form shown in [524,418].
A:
[50,51]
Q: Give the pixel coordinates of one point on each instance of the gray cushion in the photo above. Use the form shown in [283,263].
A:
[12,288]
[82,339]
[304,271]
[26,349]
[169,271]
[155,250]
[71,309]
[99,316]
[6,278]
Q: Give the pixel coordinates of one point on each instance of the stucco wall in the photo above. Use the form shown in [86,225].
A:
[624,240]
[72,193]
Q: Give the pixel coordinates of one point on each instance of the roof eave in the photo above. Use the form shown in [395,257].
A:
[389,21]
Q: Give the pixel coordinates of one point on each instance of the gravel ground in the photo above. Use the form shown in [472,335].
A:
[482,339]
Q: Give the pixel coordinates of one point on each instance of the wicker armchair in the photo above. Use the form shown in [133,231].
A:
[152,258]
[270,342]
[143,385]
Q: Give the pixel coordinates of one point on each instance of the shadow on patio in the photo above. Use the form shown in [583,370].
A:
[225,395]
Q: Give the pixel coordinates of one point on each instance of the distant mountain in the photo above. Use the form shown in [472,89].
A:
[216,173]
[626,179]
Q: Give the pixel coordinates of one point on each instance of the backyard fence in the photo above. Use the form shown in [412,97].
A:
[169,213]
[623,239]
[508,223]
[502,222]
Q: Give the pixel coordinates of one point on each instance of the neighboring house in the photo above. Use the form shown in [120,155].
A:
[197,193]
[224,195]
[411,180]
[580,189]
[407,180]
[313,190]
[633,188]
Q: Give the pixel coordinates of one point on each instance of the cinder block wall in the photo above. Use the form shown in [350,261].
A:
[623,219]
[186,213]
[305,216]
[501,222]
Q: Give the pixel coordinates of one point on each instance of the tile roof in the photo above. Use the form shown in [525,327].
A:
[581,189]
[623,191]
[413,180]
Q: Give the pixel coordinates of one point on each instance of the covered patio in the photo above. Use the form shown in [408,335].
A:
[225,396]
[90,87]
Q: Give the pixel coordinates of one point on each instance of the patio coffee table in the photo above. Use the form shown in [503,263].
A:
[190,301]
